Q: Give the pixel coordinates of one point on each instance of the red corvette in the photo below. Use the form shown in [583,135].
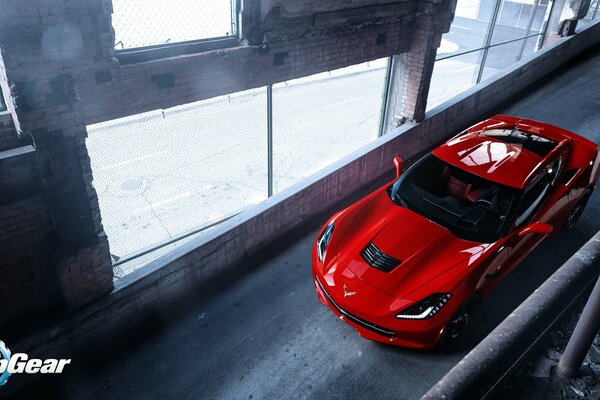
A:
[408,264]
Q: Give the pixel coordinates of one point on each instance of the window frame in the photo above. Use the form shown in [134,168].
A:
[165,50]
[536,203]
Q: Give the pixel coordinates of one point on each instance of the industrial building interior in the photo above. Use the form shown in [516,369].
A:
[166,166]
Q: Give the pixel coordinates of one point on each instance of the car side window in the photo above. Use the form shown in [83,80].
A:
[569,175]
[554,169]
[533,198]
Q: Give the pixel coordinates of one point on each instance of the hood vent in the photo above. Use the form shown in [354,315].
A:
[378,259]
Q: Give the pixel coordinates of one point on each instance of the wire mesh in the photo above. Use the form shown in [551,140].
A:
[167,174]
[321,118]
[163,174]
[140,23]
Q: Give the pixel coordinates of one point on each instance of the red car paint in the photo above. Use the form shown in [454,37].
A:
[435,260]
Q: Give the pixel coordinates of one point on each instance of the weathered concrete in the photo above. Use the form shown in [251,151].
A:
[583,336]
[410,77]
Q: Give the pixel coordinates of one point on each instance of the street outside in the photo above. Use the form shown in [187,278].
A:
[166,173]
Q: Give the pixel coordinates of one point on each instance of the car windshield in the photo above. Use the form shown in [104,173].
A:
[472,208]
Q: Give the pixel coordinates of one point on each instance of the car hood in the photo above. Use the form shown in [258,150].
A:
[424,248]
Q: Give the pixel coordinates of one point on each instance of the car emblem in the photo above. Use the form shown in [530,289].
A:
[347,293]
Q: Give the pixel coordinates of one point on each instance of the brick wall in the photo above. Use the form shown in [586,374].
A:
[284,45]
[26,288]
[8,133]
[54,252]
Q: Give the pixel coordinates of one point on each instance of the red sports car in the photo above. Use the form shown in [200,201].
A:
[408,264]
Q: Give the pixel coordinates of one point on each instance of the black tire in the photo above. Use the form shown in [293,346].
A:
[577,211]
[460,319]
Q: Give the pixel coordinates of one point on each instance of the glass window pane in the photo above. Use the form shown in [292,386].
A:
[592,16]
[319,119]
[141,23]
[166,173]
[452,76]
[594,11]
[515,17]
[505,55]
[469,28]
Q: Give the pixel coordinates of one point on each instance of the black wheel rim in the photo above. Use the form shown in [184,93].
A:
[458,324]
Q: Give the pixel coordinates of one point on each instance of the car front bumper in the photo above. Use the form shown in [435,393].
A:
[384,327]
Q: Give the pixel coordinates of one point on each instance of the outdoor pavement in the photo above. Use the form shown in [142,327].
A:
[264,335]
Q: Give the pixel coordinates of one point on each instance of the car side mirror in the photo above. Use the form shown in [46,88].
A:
[399,164]
[536,227]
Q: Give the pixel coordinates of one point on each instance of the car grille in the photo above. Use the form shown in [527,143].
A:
[358,321]
[378,259]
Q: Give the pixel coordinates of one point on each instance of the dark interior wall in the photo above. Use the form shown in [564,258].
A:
[54,253]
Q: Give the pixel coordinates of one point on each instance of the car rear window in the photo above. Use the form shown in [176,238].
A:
[528,141]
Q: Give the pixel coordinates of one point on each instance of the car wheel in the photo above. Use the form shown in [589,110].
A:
[577,211]
[460,319]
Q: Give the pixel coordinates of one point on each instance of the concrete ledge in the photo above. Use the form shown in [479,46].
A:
[141,294]
[480,371]
[18,151]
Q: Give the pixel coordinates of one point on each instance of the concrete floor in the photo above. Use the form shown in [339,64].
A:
[265,335]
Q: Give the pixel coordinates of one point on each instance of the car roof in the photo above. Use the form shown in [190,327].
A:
[490,158]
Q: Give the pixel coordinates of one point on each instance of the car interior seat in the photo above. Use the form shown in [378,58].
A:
[459,189]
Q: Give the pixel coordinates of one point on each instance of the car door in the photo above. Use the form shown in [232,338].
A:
[554,212]
[540,202]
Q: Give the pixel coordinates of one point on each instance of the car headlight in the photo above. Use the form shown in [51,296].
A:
[324,240]
[425,308]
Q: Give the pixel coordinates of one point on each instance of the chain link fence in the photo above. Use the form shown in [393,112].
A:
[171,174]
[141,23]
[320,119]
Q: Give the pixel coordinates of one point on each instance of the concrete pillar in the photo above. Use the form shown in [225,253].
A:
[410,78]
[45,50]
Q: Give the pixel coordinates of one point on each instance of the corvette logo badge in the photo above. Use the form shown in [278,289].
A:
[347,293]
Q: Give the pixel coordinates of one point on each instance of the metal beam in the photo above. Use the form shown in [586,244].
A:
[488,39]
[270,140]
[386,94]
